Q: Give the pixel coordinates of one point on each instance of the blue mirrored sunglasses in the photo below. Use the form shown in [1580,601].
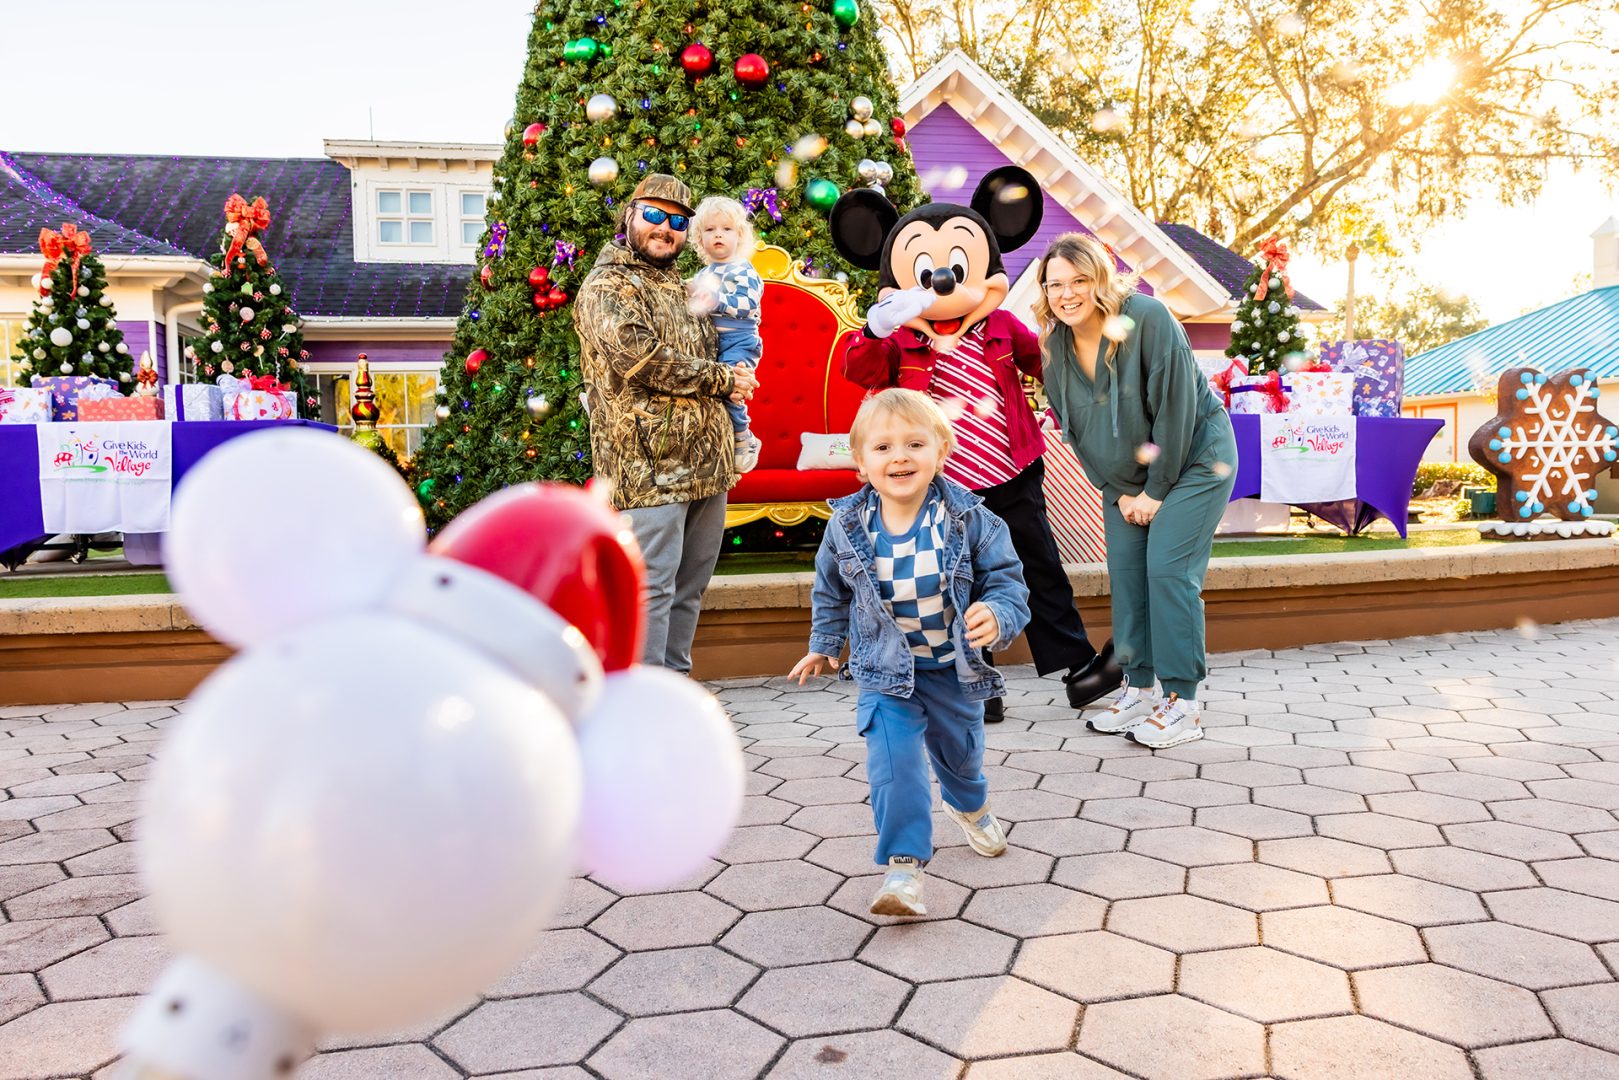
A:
[654,216]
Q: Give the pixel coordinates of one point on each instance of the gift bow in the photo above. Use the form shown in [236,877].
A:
[1271,386]
[566,253]
[54,245]
[233,385]
[96,391]
[146,376]
[1221,383]
[243,219]
[1276,256]
[765,197]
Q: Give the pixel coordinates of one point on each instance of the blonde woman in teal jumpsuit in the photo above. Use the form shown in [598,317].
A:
[1153,437]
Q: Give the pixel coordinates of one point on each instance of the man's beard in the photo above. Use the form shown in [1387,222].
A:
[662,262]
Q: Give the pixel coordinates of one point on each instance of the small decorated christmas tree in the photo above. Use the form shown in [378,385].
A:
[252,328]
[1266,328]
[72,329]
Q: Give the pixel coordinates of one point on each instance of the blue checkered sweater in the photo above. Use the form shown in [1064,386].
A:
[910,580]
[740,290]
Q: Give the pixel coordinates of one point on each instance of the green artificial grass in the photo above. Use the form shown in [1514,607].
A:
[36,586]
[1332,545]
[766,562]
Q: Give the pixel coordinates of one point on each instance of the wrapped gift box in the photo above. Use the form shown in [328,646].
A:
[25,405]
[193,401]
[1378,368]
[1260,393]
[1220,373]
[65,391]
[261,405]
[1320,393]
[1073,506]
[122,408]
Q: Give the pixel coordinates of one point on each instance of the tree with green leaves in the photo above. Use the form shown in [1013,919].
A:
[1265,329]
[73,328]
[783,104]
[1424,318]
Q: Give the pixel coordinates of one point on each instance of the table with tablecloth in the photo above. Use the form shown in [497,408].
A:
[22,518]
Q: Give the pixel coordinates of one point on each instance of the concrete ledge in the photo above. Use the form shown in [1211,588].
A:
[148,647]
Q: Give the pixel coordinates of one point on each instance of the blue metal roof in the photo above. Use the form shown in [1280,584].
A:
[1582,331]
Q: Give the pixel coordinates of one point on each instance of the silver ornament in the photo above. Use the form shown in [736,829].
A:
[854,129]
[538,406]
[84,324]
[603,171]
[442,412]
[246,314]
[47,304]
[871,128]
[207,287]
[885,173]
[61,337]
[84,290]
[123,376]
[861,108]
[216,346]
[46,284]
[601,107]
[104,347]
[105,301]
[122,348]
[275,290]
[67,368]
[39,354]
[866,169]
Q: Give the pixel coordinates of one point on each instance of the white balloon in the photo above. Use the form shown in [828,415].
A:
[365,822]
[664,779]
[280,528]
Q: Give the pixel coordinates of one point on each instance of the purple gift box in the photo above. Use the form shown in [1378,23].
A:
[1378,368]
[65,390]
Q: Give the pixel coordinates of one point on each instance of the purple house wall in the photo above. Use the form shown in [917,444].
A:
[393,352]
[138,336]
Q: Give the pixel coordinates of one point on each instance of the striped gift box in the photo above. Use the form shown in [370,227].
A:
[1073,506]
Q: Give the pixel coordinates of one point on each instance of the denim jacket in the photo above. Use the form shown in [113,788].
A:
[979,564]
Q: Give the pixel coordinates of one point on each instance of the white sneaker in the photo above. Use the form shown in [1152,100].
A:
[901,891]
[984,832]
[1129,707]
[1175,722]
[747,451]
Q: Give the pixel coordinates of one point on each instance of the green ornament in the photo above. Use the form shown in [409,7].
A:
[821,194]
[606,51]
[587,48]
[847,12]
[425,488]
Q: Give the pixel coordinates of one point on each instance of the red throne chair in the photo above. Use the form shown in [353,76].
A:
[801,389]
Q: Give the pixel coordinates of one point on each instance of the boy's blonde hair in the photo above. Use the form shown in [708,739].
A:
[908,405]
[719,208]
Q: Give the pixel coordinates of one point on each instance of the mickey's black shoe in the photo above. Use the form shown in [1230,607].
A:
[1100,677]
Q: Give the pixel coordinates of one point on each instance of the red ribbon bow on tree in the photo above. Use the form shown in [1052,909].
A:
[1276,256]
[243,219]
[55,245]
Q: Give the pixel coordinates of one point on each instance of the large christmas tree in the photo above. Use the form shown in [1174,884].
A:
[1265,330]
[783,104]
[73,329]
[251,326]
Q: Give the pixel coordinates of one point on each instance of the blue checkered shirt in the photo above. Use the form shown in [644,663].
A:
[910,580]
[740,290]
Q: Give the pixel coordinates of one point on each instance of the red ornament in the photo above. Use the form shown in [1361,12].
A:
[539,278]
[751,70]
[697,59]
[487,276]
[557,297]
[542,301]
[475,360]
[532,133]
[897,126]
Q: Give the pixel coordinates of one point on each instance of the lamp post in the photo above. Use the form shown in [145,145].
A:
[1352,253]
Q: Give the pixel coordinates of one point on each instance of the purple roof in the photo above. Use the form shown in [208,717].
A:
[142,205]
[1223,264]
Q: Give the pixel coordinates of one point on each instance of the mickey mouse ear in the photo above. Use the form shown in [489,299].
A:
[1010,200]
[860,224]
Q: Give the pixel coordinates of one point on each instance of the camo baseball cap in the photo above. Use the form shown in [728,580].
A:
[664,188]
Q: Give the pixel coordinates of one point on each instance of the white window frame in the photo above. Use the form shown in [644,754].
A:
[344,422]
[10,375]
[405,217]
[462,220]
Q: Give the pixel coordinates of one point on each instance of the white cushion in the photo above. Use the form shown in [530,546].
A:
[824,451]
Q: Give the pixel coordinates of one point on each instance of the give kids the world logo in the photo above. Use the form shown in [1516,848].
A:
[92,455]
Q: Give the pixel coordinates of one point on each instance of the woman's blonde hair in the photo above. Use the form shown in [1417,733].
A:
[719,208]
[1093,260]
[909,405]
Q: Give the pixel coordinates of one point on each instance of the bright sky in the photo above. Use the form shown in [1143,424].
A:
[189,77]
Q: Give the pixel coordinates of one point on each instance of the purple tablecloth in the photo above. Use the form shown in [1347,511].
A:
[1387,453]
[20,519]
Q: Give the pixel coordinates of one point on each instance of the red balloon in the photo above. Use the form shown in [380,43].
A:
[897,126]
[539,278]
[697,59]
[751,70]
[567,548]
[532,133]
[475,360]
[487,276]
[557,297]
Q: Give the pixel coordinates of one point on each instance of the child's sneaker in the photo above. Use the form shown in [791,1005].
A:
[1129,707]
[747,451]
[1175,722]
[901,891]
[984,832]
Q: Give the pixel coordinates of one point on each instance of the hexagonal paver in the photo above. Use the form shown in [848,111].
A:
[721,1045]
[1118,875]
[1456,1006]
[526,1033]
[1304,799]
[824,999]
[847,855]
[946,950]
[1408,899]
[1379,830]
[67,1038]
[761,886]
[1018,866]
[56,846]
[378,1063]
[944,899]
[1552,815]
[1473,870]
[1361,781]
[1029,805]
[1324,856]
[1512,841]
[1514,955]
[1582,792]
[862,1056]
[1183,923]
[664,921]
[837,819]
[1256,886]
[796,936]
[1136,813]
[1096,966]
[1428,806]
[95,895]
[1090,785]
[1566,914]
[1252,773]
[1066,836]
[1265,985]
[820,791]
[1172,1036]
[1593,877]
[1554,1057]
[38,943]
[1254,822]
[1195,792]
[1586,1013]
[120,966]
[1342,938]
[763,843]
[1359,1048]
[1066,1066]
[976,1018]
[1188,845]
[1149,767]
[1036,910]
[563,960]
[673,980]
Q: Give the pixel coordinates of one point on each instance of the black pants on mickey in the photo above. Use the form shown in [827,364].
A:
[1055,633]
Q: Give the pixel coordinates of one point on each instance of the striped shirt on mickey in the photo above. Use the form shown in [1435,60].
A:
[910,579]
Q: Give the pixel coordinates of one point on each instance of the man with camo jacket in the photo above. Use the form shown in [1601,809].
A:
[659,432]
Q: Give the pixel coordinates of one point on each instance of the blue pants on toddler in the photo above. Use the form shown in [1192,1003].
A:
[741,346]
[902,735]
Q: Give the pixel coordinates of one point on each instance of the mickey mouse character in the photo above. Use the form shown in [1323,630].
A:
[938,327]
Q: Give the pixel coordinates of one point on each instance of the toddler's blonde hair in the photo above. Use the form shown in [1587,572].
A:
[909,405]
[719,208]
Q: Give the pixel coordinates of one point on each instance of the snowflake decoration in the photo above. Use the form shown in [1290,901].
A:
[1547,444]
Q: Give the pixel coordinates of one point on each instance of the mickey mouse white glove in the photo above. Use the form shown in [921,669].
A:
[897,309]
